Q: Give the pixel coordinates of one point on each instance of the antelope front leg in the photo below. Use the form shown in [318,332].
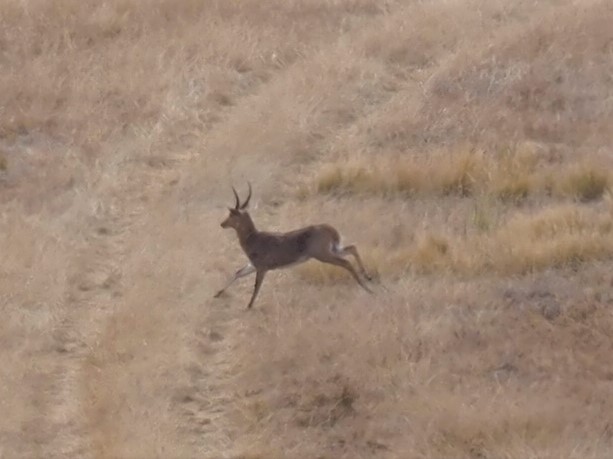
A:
[259,278]
[244,271]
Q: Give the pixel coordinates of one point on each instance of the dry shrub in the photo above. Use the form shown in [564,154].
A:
[3,162]
[431,254]
[585,182]
[511,175]
[554,237]
[515,188]
[440,173]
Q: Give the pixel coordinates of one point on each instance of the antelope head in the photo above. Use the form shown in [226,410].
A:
[239,218]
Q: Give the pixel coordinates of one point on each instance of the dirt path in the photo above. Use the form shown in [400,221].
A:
[207,403]
[90,299]
[146,353]
[93,292]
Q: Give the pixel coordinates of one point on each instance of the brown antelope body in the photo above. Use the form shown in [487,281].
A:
[267,251]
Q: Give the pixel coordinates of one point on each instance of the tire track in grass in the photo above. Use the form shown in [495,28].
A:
[93,288]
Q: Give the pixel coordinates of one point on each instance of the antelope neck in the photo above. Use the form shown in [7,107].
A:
[246,229]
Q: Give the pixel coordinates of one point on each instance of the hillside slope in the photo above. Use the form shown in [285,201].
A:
[463,146]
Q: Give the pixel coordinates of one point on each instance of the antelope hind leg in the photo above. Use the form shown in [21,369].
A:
[352,250]
[339,261]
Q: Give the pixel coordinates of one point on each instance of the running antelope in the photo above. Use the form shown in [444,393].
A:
[268,251]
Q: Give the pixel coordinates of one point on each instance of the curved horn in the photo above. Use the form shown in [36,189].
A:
[238,202]
[246,203]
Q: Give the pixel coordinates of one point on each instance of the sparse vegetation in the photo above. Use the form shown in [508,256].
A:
[556,237]
[510,176]
[463,146]
[585,183]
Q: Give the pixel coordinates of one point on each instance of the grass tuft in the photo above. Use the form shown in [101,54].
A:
[514,189]
[4,164]
[585,183]
[525,242]
[460,174]
[431,254]
[511,176]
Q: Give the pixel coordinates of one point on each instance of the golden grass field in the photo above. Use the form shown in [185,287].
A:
[464,146]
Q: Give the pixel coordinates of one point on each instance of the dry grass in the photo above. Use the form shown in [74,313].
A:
[463,146]
[4,163]
[511,175]
[391,369]
[524,242]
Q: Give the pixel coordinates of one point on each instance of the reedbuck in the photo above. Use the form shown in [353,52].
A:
[267,251]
